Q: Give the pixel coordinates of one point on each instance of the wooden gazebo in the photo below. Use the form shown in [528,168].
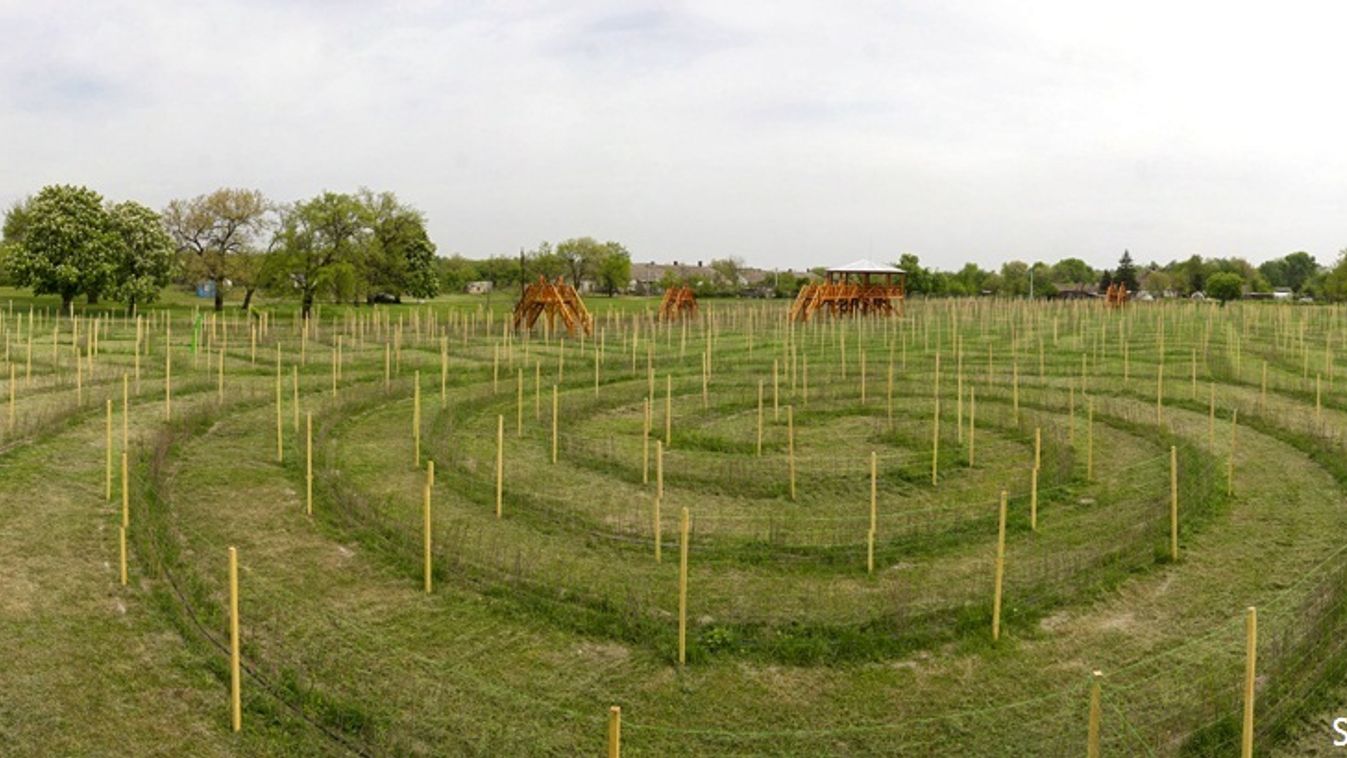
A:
[860,288]
[679,302]
[555,299]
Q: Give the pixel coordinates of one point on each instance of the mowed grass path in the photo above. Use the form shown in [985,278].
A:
[344,652]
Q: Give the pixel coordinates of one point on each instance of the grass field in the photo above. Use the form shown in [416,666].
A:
[843,483]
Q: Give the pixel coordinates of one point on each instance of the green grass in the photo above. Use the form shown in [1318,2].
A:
[543,618]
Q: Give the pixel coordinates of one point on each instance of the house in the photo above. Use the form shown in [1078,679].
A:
[1078,292]
[1281,293]
[478,288]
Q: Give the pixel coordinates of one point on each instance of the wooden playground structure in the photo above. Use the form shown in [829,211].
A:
[679,302]
[555,299]
[1116,295]
[861,288]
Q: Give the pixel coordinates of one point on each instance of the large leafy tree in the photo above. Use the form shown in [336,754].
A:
[320,243]
[1073,271]
[1225,285]
[399,257]
[144,254]
[614,270]
[217,229]
[582,257]
[62,244]
[1292,271]
[1334,286]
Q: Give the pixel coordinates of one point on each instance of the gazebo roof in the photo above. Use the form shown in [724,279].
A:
[865,266]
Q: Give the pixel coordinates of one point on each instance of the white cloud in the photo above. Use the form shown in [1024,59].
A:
[792,134]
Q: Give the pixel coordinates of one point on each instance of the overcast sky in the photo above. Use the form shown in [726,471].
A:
[786,133]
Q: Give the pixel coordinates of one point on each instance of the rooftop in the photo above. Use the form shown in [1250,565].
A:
[865,266]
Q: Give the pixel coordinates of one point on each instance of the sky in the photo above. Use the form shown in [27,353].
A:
[788,134]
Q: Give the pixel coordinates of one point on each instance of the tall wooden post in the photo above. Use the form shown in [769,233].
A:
[874,513]
[1000,568]
[1250,673]
[500,463]
[759,418]
[615,732]
[107,450]
[1092,746]
[235,674]
[790,447]
[425,525]
[1230,462]
[416,420]
[683,585]
[554,423]
[308,464]
[1173,503]
[1033,499]
[972,424]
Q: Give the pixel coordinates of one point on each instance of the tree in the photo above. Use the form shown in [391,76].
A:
[455,272]
[971,279]
[1225,286]
[728,272]
[144,255]
[216,228]
[1072,271]
[1157,283]
[581,257]
[1300,266]
[614,269]
[1334,286]
[1126,274]
[320,241]
[918,278]
[1014,279]
[65,244]
[400,258]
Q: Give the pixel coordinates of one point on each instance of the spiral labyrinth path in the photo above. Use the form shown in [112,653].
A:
[984,528]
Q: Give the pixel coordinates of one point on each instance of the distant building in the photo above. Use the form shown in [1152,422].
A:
[478,288]
[1078,292]
[1281,293]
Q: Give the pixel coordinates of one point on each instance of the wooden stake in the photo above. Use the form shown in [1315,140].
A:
[126,492]
[121,549]
[790,446]
[500,463]
[615,732]
[1173,503]
[107,449]
[683,585]
[235,674]
[308,464]
[1038,447]
[1033,500]
[972,424]
[1230,462]
[425,522]
[759,417]
[1089,442]
[1000,569]
[554,423]
[874,514]
[416,421]
[280,422]
[657,528]
[1092,746]
[1250,673]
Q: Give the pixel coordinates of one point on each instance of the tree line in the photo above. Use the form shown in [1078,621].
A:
[1220,278]
[350,247]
